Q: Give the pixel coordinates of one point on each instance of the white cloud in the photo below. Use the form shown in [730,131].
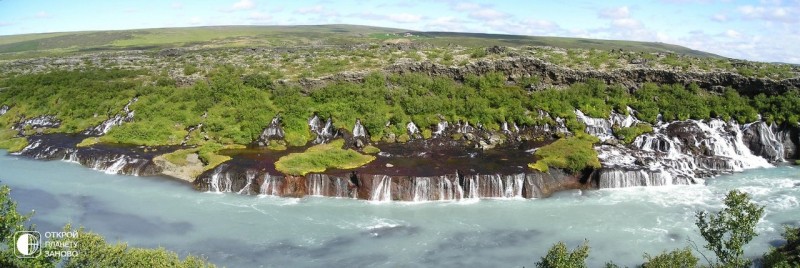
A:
[771,12]
[317,9]
[196,21]
[626,23]
[732,34]
[5,23]
[447,24]
[42,15]
[465,6]
[259,17]
[243,4]
[487,14]
[719,18]
[615,13]
[405,18]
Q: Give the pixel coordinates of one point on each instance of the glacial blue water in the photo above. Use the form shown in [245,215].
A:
[245,231]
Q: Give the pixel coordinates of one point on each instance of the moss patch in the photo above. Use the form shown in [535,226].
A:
[797,162]
[628,134]
[573,154]
[369,149]
[14,144]
[88,142]
[321,157]
[178,157]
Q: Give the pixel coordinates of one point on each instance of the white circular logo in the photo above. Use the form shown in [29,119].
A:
[27,243]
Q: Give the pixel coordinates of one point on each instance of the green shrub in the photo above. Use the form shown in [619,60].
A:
[14,144]
[676,258]
[560,257]
[628,134]
[369,149]
[318,158]
[787,255]
[573,154]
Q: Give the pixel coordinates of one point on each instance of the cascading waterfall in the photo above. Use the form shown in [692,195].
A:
[273,131]
[126,115]
[220,181]
[116,167]
[249,175]
[765,143]
[381,188]
[318,184]
[359,130]
[678,152]
[422,186]
[43,121]
[412,129]
[324,132]
[271,185]
[441,127]
[4,109]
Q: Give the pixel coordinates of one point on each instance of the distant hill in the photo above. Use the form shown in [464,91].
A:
[32,45]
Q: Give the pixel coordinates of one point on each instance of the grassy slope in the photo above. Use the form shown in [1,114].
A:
[321,157]
[30,45]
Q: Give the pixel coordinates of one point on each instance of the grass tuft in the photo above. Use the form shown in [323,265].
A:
[573,154]
[321,157]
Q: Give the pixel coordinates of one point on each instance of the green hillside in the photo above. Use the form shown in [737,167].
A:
[47,44]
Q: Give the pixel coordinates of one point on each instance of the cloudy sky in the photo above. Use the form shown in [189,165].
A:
[762,30]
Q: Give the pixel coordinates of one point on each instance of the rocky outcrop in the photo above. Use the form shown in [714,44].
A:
[272,132]
[187,172]
[43,121]
[552,74]
[109,159]
[376,187]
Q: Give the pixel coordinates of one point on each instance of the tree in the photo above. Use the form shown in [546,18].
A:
[560,257]
[727,231]
[787,255]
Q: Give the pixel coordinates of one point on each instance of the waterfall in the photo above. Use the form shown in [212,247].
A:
[318,184]
[632,178]
[323,132]
[220,181]
[4,109]
[271,185]
[43,121]
[342,186]
[359,130]
[116,167]
[381,188]
[249,175]
[513,185]
[764,142]
[441,127]
[126,115]
[412,129]
[273,131]
[677,152]
[422,186]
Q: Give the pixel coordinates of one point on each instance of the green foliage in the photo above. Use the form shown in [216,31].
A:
[560,257]
[190,69]
[321,157]
[369,149]
[572,154]
[178,157]
[14,144]
[797,162]
[88,142]
[477,53]
[96,252]
[628,134]
[787,255]
[726,232]
[676,258]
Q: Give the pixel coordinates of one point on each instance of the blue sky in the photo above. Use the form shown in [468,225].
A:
[765,30]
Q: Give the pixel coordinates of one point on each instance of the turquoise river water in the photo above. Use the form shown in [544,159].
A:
[246,231]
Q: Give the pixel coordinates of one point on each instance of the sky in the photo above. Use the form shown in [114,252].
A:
[759,30]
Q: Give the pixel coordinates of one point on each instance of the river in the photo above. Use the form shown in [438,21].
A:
[246,231]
